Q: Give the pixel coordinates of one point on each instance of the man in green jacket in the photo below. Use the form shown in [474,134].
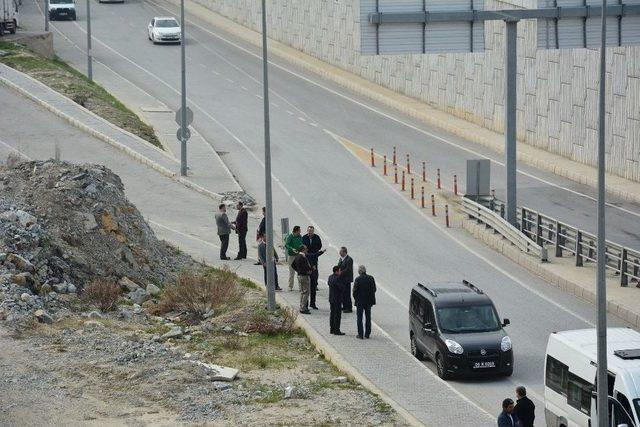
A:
[292,245]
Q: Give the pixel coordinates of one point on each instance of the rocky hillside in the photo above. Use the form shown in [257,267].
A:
[64,225]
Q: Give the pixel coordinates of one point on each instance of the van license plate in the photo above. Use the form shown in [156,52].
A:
[484,365]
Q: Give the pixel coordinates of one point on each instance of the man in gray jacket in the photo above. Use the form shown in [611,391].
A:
[224,229]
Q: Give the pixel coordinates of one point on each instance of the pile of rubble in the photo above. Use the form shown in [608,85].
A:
[64,225]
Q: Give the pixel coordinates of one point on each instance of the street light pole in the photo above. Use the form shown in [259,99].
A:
[46,15]
[601,288]
[89,61]
[183,118]
[271,290]
[510,135]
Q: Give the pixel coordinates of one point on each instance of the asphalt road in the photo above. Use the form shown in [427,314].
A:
[319,182]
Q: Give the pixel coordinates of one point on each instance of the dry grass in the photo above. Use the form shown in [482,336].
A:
[103,293]
[283,323]
[197,293]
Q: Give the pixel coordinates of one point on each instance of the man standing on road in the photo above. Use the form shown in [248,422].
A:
[364,297]
[313,242]
[304,269]
[262,229]
[525,409]
[224,229]
[506,417]
[335,301]
[262,258]
[241,224]
[346,277]
[292,244]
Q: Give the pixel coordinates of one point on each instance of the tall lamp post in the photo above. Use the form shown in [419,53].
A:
[271,290]
[89,61]
[601,288]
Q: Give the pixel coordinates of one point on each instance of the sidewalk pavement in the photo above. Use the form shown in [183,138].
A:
[541,159]
[207,175]
[400,379]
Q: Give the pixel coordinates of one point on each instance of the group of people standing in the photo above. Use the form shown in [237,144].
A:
[302,256]
[521,413]
[303,252]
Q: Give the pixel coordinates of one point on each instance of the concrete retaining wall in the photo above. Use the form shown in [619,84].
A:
[557,90]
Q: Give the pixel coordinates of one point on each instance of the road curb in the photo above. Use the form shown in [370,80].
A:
[414,108]
[533,265]
[99,135]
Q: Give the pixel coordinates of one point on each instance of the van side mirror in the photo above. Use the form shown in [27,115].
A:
[506,322]
[428,327]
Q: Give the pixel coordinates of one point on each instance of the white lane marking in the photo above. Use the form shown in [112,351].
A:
[450,235]
[378,327]
[229,80]
[290,113]
[258,96]
[315,125]
[302,119]
[244,88]
[274,104]
[399,121]
[215,72]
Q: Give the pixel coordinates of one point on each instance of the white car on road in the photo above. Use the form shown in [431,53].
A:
[164,30]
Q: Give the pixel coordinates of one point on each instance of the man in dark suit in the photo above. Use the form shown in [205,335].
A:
[364,297]
[346,277]
[313,242]
[525,409]
[335,301]
[241,224]
[262,230]
[506,417]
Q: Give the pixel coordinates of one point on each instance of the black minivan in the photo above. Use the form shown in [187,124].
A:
[456,325]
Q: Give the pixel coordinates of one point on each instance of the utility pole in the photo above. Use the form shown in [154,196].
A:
[46,15]
[271,290]
[601,282]
[183,118]
[511,66]
[89,61]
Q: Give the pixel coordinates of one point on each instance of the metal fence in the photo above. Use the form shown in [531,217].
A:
[494,221]
[570,241]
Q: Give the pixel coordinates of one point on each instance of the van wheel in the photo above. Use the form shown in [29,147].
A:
[414,349]
[509,372]
[15,27]
[441,369]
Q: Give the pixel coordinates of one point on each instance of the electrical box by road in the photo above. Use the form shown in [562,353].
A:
[478,178]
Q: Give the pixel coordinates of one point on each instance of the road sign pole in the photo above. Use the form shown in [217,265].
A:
[271,290]
[89,61]
[511,64]
[601,288]
[183,119]
[46,15]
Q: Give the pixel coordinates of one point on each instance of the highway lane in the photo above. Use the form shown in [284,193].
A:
[378,127]
[351,205]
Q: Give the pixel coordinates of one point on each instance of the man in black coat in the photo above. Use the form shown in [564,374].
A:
[525,409]
[241,224]
[346,277]
[335,301]
[313,242]
[364,296]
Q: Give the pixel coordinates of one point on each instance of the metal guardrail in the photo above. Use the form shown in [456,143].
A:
[569,240]
[494,221]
